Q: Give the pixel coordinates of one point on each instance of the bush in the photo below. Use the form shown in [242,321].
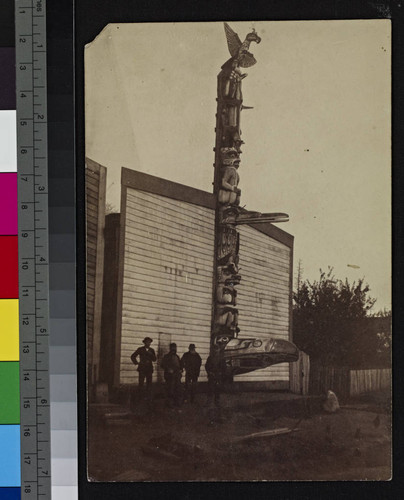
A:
[331,323]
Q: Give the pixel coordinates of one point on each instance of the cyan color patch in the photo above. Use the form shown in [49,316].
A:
[10,469]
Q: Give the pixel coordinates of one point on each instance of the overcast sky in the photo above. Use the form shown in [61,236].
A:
[317,143]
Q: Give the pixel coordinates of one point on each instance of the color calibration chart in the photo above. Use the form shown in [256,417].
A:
[10,468]
[38,395]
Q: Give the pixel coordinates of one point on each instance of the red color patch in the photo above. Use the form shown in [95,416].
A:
[8,267]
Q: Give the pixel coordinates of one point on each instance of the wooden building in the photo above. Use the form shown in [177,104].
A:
[95,220]
[158,279]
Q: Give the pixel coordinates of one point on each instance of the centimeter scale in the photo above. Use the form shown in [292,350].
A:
[32,153]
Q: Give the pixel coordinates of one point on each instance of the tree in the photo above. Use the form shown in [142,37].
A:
[330,321]
[380,332]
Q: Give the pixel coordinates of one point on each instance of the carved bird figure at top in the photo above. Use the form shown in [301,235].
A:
[238,49]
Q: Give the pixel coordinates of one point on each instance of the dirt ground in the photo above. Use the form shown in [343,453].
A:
[198,442]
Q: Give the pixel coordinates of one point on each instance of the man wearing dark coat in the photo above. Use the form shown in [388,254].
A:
[191,363]
[146,357]
[215,367]
[171,365]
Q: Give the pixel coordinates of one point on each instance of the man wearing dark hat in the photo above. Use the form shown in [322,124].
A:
[191,362]
[145,364]
[171,365]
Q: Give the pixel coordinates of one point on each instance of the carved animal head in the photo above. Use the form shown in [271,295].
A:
[228,275]
[230,157]
[222,340]
[249,354]
[229,153]
[253,37]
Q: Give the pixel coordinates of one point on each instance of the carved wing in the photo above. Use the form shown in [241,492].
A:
[233,41]
[247,60]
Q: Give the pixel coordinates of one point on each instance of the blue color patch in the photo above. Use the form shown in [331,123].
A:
[10,468]
[10,493]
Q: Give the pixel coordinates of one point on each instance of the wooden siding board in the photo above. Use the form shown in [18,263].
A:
[92,176]
[165,188]
[170,264]
[264,243]
[170,245]
[92,226]
[92,183]
[161,310]
[186,279]
[171,297]
[160,284]
[171,208]
[169,236]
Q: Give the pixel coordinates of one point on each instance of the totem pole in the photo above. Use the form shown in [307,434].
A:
[227,161]
[226,180]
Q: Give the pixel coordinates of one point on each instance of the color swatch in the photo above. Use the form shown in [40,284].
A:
[8,203]
[8,140]
[10,469]
[9,267]
[10,453]
[7,78]
[9,341]
[10,391]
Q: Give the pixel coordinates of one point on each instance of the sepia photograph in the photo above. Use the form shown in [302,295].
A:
[238,251]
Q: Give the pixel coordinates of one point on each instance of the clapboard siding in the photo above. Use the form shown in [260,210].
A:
[167,275]
[263,297]
[95,222]
[166,265]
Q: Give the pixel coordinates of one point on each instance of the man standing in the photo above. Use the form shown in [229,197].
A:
[171,365]
[215,367]
[191,362]
[145,364]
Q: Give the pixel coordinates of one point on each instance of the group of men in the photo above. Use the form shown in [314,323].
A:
[174,366]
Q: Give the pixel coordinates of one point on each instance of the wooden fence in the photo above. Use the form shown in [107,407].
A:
[346,382]
[369,380]
[300,375]
[324,378]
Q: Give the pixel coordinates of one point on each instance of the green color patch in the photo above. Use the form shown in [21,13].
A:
[9,392]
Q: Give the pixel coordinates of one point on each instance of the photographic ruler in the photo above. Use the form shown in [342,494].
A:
[32,174]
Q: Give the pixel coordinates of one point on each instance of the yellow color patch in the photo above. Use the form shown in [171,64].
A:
[9,326]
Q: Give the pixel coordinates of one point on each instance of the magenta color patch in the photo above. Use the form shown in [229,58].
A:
[8,204]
